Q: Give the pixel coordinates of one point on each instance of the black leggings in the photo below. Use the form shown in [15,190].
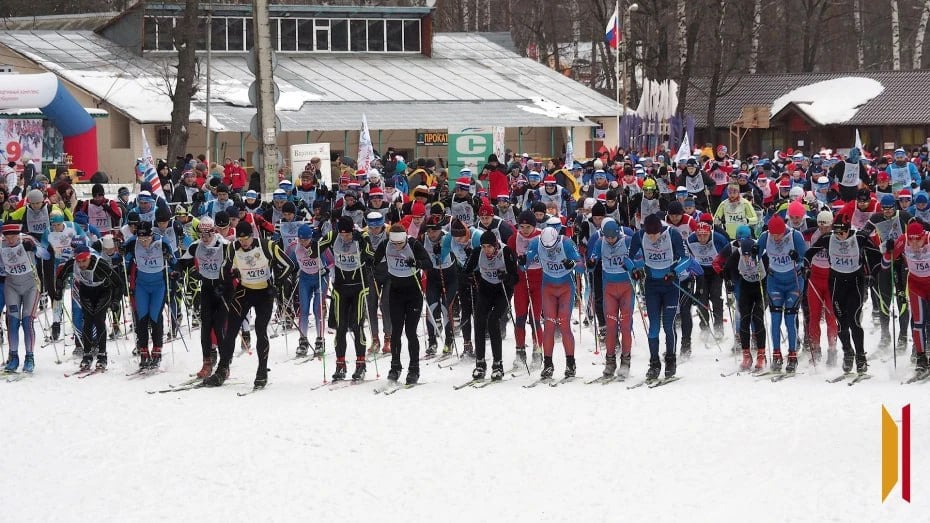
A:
[406,306]
[751,314]
[244,300]
[492,305]
[847,293]
[441,285]
[348,302]
[212,317]
[467,296]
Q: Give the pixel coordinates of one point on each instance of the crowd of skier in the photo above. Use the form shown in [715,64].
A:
[776,248]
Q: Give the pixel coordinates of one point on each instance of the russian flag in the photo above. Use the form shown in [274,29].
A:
[613,34]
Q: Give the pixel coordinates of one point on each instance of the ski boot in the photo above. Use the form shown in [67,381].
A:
[570,369]
[246,343]
[497,371]
[303,347]
[261,377]
[480,368]
[747,359]
[318,348]
[654,367]
[519,361]
[218,378]
[792,363]
[156,358]
[548,368]
[848,356]
[760,359]
[862,365]
[611,367]
[30,364]
[777,361]
[386,348]
[12,364]
[359,373]
[144,358]
[537,360]
[394,374]
[413,376]
[207,369]
[624,371]
[685,350]
[340,373]
[831,358]
[920,364]
[374,346]
[467,349]
[602,333]
[101,362]
[56,331]
[816,355]
[431,349]
[86,361]
[447,348]
[78,346]
[671,364]
[913,355]
[885,341]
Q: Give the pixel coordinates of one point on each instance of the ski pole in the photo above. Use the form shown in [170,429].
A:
[891,317]
[447,302]
[365,290]
[168,297]
[700,304]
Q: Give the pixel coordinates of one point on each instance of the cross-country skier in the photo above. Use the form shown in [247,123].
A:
[783,249]
[746,270]
[312,283]
[527,293]
[96,284]
[20,293]
[819,301]
[889,224]
[559,259]
[405,258]
[441,284]
[659,255]
[915,250]
[608,254]
[149,263]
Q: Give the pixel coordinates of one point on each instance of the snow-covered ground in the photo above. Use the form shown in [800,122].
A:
[705,448]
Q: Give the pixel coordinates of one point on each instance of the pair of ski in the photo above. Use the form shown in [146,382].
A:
[339,384]
[606,380]
[86,373]
[476,383]
[13,375]
[394,386]
[918,377]
[191,384]
[550,381]
[852,376]
[144,373]
[653,383]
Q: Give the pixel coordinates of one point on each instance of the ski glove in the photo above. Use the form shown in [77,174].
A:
[889,245]
[412,263]
[794,255]
[637,274]
[591,263]
[521,260]
[670,276]
[174,275]
[568,264]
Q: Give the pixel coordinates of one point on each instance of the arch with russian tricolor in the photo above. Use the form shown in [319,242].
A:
[46,92]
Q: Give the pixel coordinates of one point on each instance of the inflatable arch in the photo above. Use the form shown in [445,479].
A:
[46,92]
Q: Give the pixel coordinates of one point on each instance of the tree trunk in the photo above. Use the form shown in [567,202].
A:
[857,21]
[754,43]
[919,38]
[186,35]
[684,81]
[895,36]
[716,68]
[681,11]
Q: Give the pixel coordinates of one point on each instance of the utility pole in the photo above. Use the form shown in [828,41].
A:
[206,124]
[265,105]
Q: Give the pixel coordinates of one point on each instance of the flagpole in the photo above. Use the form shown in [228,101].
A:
[617,71]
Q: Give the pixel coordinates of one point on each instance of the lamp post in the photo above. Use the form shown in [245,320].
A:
[621,49]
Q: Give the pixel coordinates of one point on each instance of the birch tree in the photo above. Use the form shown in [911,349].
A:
[895,36]
[917,61]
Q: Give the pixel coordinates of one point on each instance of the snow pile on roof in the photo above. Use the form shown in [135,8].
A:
[831,101]
[552,110]
[236,93]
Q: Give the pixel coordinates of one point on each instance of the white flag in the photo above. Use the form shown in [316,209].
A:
[365,151]
[569,155]
[858,142]
[684,150]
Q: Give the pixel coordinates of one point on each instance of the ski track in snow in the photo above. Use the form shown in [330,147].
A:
[703,449]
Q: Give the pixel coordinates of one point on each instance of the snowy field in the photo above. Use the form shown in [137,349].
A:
[706,448]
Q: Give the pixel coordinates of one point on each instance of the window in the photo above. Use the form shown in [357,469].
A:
[322,35]
[235,36]
[412,35]
[218,34]
[250,38]
[305,34]
[288,35]
[376,36]
[149,33]
[359,33]
[395,35]
[339,35]
[910,136]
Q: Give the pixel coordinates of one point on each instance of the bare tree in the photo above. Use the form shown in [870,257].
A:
[895,36]
[857,22]
[754,30]
[186,34]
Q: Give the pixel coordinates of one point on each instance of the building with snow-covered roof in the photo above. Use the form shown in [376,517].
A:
[810,111]
[334,64]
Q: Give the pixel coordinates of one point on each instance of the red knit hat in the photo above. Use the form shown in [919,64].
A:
[418,209]
[914,230]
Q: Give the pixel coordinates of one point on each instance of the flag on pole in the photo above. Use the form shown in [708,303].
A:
[612,34]
[365,151]
[858,144]
[146,168]
[684,150]
[569,155]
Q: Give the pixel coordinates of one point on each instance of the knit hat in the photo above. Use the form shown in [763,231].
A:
[345,224]
[887,200]
[304,232]
[418,209]
[35,196]
[458,229]
[777,225]
[12,228]
[81,253]
[745,246]
[97,190]
[743,231]
[488,238]
[825,218]
[652,224]
[610,228]
[796,209]
[222,219]
[244,228]
[915,230]
[289,207]
[676,208]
